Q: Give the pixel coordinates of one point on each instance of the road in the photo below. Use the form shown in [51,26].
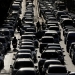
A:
[8,57]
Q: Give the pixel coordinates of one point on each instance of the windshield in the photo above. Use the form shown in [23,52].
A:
[26,73]
[23,56]
[52,34]
[56,70]
[6,32]
[71,37]
[54,28]
[49,55]
[48,63]
[68,22]
[23,64]
[2,40]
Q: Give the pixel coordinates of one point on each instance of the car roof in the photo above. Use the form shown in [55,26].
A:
[53,44]
[23,59]
[51,31]
[50,51]
[47,37]
[24,53]
[52,60]
[27,46]
[26,69]
[54,65]
[71,32]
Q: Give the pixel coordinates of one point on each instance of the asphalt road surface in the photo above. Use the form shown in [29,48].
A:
[8,57]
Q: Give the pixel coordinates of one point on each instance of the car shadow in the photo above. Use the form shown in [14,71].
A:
[15,50]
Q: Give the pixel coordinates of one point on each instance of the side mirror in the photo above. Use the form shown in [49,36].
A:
[14,54]
[36,50]
[13,58]
[63,51]
[11,66]
[69,72]
[35,66]
[62,48]
[40,40]
[38,56]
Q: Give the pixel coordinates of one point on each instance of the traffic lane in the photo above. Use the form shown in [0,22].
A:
[68,62]
[8,57]
[23,9]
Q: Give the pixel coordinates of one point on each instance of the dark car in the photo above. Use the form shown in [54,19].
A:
[2,49]
[24,51]
[27,71]
[56,28]
[53,54]
[20,63]
[70,38]
[44,41]
[71,47]
[47,63]
[23,55]
[72,52]
[40,64]
[54,34]
[4,42]
[56,69]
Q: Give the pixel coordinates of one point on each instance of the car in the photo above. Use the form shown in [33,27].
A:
[2,49]
[32,48]
[59,13]
[48,25]
[40,64]
[56,28]
[20,63]
[48,62]
[71,47]
[70,38]
[27,71]
[71,73]
[44,41]
[11,29]
[28,20]
[4,43]
[64,16]
[16,7]
[54,48]
[52,22]
[1,62]
[66,29]
[54,34]
[23,55]
[72,52]
[24,51]
[56,69]
[26,43]
[53,54]
[66,22]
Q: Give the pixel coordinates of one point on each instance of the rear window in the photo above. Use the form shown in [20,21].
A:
[52,34]
[54,28]
[23,56]
[68,22]
[26,73]
[48,63]
[57,70]
[2,40]
[47,40]
[49,55]
[71,37]
[23,64]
